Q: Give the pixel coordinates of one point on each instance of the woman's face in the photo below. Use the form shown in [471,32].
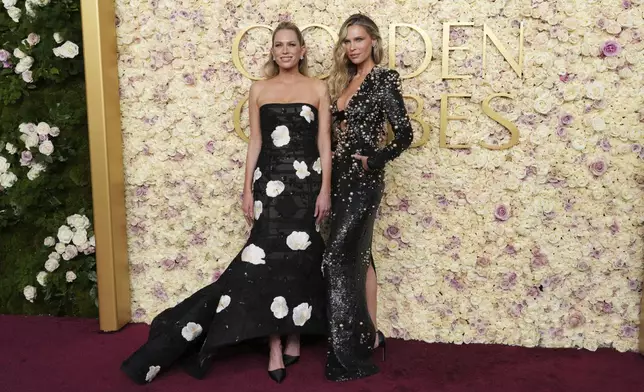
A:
[287,50]
[358,44]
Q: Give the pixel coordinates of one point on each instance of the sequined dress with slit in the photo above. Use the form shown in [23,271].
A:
[275,284]
[356,195]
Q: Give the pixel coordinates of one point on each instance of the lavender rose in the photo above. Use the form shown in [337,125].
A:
[392,232]
[502,212]
[611,48]
[566,119]
[598,167]
[25,158]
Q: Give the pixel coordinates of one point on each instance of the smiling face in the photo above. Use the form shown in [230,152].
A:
[358,44]
[287,49]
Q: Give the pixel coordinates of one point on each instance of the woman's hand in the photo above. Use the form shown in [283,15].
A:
[248,207]
[322,206]
[362,159]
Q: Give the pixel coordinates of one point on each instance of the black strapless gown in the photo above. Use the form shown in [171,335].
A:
[274,285]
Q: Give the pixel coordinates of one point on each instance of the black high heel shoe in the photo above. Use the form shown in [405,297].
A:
[382,342]
[290,359]
[277,375]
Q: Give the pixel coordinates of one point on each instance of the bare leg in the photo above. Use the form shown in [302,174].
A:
[275,360]
[372,298]
[292,345]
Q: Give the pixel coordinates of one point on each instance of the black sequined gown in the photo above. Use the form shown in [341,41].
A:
[355,200]
[274,285]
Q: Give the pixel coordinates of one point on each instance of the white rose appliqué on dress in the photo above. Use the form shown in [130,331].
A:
[279,307]
[253,254]
[301,170]
[298,240]
[191,331]
[280,136]
[302,314]
[307,113]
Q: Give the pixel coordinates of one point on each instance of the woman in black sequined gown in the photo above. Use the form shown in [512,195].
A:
[274,287]
[364,96]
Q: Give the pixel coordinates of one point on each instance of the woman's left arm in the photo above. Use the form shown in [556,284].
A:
[394,106]
[323,204]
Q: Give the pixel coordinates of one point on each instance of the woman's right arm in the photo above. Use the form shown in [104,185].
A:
[252,154]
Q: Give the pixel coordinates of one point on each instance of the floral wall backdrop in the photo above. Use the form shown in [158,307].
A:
[540,244]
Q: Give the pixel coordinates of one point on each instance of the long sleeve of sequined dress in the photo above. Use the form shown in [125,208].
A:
[355,201]
[274,285]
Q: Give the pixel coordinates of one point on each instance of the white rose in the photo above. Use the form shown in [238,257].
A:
[68,50]
[7,179]
[191,331]
[41,278]
[80,237]
[46,148]
[29,293]
[54,131]
[9,3]
[58,38]
[542,105]
[302,314]
[598,124]
[253,254]
[43,128]
[54,255]
[70,252]
[29,139]
[92,241]
[24,64]
[11,149]
[27,76]
[14,13]
[298,240]
[33,39]
[224,301]
[33,173]
[19,53]
[578,144]
[595,90]
[60,247]
[4,164]
[279,307]
[70,276]
[65,234]
[78,222]
[50,241]
[51,265]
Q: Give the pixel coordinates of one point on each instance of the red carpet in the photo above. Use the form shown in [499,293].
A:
[59,354]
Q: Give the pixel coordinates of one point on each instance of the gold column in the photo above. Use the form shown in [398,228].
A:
[106,152]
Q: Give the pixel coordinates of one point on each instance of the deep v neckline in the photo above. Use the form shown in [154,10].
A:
[346,104]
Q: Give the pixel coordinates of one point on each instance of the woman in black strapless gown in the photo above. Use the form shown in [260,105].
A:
[365,96]
[274,287]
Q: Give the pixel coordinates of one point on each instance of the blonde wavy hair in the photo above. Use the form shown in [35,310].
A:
[343,69]
[271,69]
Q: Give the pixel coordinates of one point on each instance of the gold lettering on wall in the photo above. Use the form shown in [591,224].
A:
[445,117]
[446,48]
[392,48]
[237,119]
[516,66]
[514,131]
[236,43]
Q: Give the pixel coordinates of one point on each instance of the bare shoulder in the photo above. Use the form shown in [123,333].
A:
[319,86]
[258,86]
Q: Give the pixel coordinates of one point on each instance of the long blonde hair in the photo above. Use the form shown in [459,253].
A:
[343,69]
[271,69]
